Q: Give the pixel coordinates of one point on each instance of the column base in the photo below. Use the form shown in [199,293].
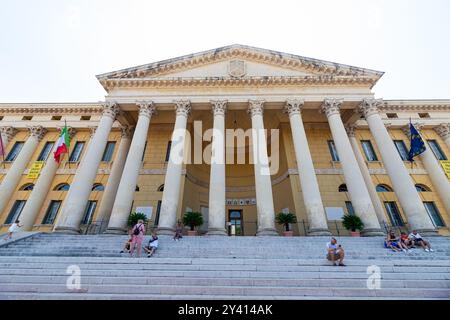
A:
[372,232]
[165,231]
[318,232]
[428,232]
[269,232]
[67,230]
[216,232]
[115,231]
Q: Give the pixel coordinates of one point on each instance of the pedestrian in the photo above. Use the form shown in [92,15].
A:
[178,231]
[13,229]
[137,233]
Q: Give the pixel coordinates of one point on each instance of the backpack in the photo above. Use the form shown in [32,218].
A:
[137,230]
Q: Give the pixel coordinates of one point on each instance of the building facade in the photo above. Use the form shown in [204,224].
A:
[236,133]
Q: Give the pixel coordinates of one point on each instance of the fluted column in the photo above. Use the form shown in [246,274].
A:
[435,172]
[15,172]
[40,191]
[443,130]
[127,186]
[308,180]
[216,221]
[106,205]
[263,183]
[366,175]
[172,182]
[7,133]
[401,181]
[354,180]
[78,195]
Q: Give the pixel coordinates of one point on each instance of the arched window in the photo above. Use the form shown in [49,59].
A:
[161,188]
[137,188]
[98,187]
[422,188]
[27,187]
[62,187]
[383,188]
[343,188]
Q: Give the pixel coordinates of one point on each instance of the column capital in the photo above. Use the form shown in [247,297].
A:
[182,107]
[219,107]
[92,130]
[443,130]
[255,107]
[369,107]
[37,131]
[351,129]
[125,131]
[417,125]
[8,132]
[331,106]
[146,108]
[293,106]
[110,109]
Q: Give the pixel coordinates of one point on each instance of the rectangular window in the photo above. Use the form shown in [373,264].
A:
[27,118]
[85,118]
[15,211]
[424,115]
[45,151]
[12,155]
[333,151]
[158,209]
[402,150]
[76,152]
[52,212]
[109,150]
[391,115]
[350,209]
[394,213]
[89,212]
[169,146]
[434,214]
[368,150]
[56,117]
[438,153]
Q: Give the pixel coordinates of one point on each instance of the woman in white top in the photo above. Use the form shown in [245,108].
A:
[12,229]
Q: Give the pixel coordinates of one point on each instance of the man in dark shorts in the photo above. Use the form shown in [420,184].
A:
[417,240]
[335,252]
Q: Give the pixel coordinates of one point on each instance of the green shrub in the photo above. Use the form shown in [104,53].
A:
[135,217]
[352,222]
[193,219]
[285,219]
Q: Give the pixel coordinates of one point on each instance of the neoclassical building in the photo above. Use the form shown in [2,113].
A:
[315,143]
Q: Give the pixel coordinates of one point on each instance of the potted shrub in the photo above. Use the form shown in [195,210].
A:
[353,224]
[285,219]
[192,219]
[135,217]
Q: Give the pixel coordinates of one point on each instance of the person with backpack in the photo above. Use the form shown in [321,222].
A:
[137,233]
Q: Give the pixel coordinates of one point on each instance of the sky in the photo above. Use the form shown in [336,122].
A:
[51,50]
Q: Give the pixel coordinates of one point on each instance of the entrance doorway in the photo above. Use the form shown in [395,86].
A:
[235,226]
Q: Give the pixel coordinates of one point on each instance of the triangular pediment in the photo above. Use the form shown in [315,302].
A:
[239,62]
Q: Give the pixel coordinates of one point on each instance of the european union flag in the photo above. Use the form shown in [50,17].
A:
[417,144]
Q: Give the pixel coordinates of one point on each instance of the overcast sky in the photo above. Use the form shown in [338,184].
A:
[50,51]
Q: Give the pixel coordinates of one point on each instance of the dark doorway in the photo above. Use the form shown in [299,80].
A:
[236,222]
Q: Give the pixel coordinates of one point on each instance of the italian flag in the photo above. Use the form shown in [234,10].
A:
[62,146]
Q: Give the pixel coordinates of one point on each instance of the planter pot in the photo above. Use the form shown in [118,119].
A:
[355,233]
[192,233]
[288,233]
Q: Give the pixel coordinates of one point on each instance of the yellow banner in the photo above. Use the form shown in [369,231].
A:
[446,166]
[35,170]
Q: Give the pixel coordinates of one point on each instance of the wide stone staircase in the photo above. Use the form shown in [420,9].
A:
[208,267]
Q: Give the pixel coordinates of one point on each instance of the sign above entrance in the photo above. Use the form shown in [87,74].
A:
[241,202]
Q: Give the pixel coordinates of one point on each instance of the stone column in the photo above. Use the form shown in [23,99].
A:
[15,172]
[172,182]
[443,130]
[216,221]
[263,182]
[78,194]
[401,181]
[435,171]
[7,133]
[354,180]
[127,186]
[366,175]
[307,175]
[40,190]
[106,205]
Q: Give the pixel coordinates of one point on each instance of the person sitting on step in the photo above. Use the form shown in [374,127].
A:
[152,245]
[417,240]
[335,252]
[393,242]
[127,245]
[405,241]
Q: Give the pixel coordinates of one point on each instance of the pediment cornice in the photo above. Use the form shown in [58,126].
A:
[415,105]
[74,108]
